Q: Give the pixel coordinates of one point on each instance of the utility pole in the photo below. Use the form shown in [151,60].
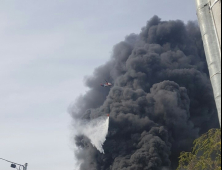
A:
[13,164]
[25,167]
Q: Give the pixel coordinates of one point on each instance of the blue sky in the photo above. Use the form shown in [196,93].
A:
[46,49]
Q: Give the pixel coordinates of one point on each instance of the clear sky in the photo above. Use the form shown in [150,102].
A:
[46,49]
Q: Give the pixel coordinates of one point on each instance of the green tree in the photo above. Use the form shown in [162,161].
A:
[206,153]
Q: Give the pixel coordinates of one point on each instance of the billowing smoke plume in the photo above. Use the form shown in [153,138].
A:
[161,100]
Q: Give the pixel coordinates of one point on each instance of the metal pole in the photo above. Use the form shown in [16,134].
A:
[211,47]
[25,167]
[11,162]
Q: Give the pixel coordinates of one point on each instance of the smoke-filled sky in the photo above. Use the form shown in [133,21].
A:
[46,49]
[161,100]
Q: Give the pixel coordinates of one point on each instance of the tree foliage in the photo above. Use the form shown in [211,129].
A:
[206,153]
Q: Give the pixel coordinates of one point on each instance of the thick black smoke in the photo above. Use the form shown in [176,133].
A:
[161,100]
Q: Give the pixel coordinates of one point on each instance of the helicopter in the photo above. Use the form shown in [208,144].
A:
[107,84]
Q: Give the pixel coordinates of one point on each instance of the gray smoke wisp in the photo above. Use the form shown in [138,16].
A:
[161,99]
